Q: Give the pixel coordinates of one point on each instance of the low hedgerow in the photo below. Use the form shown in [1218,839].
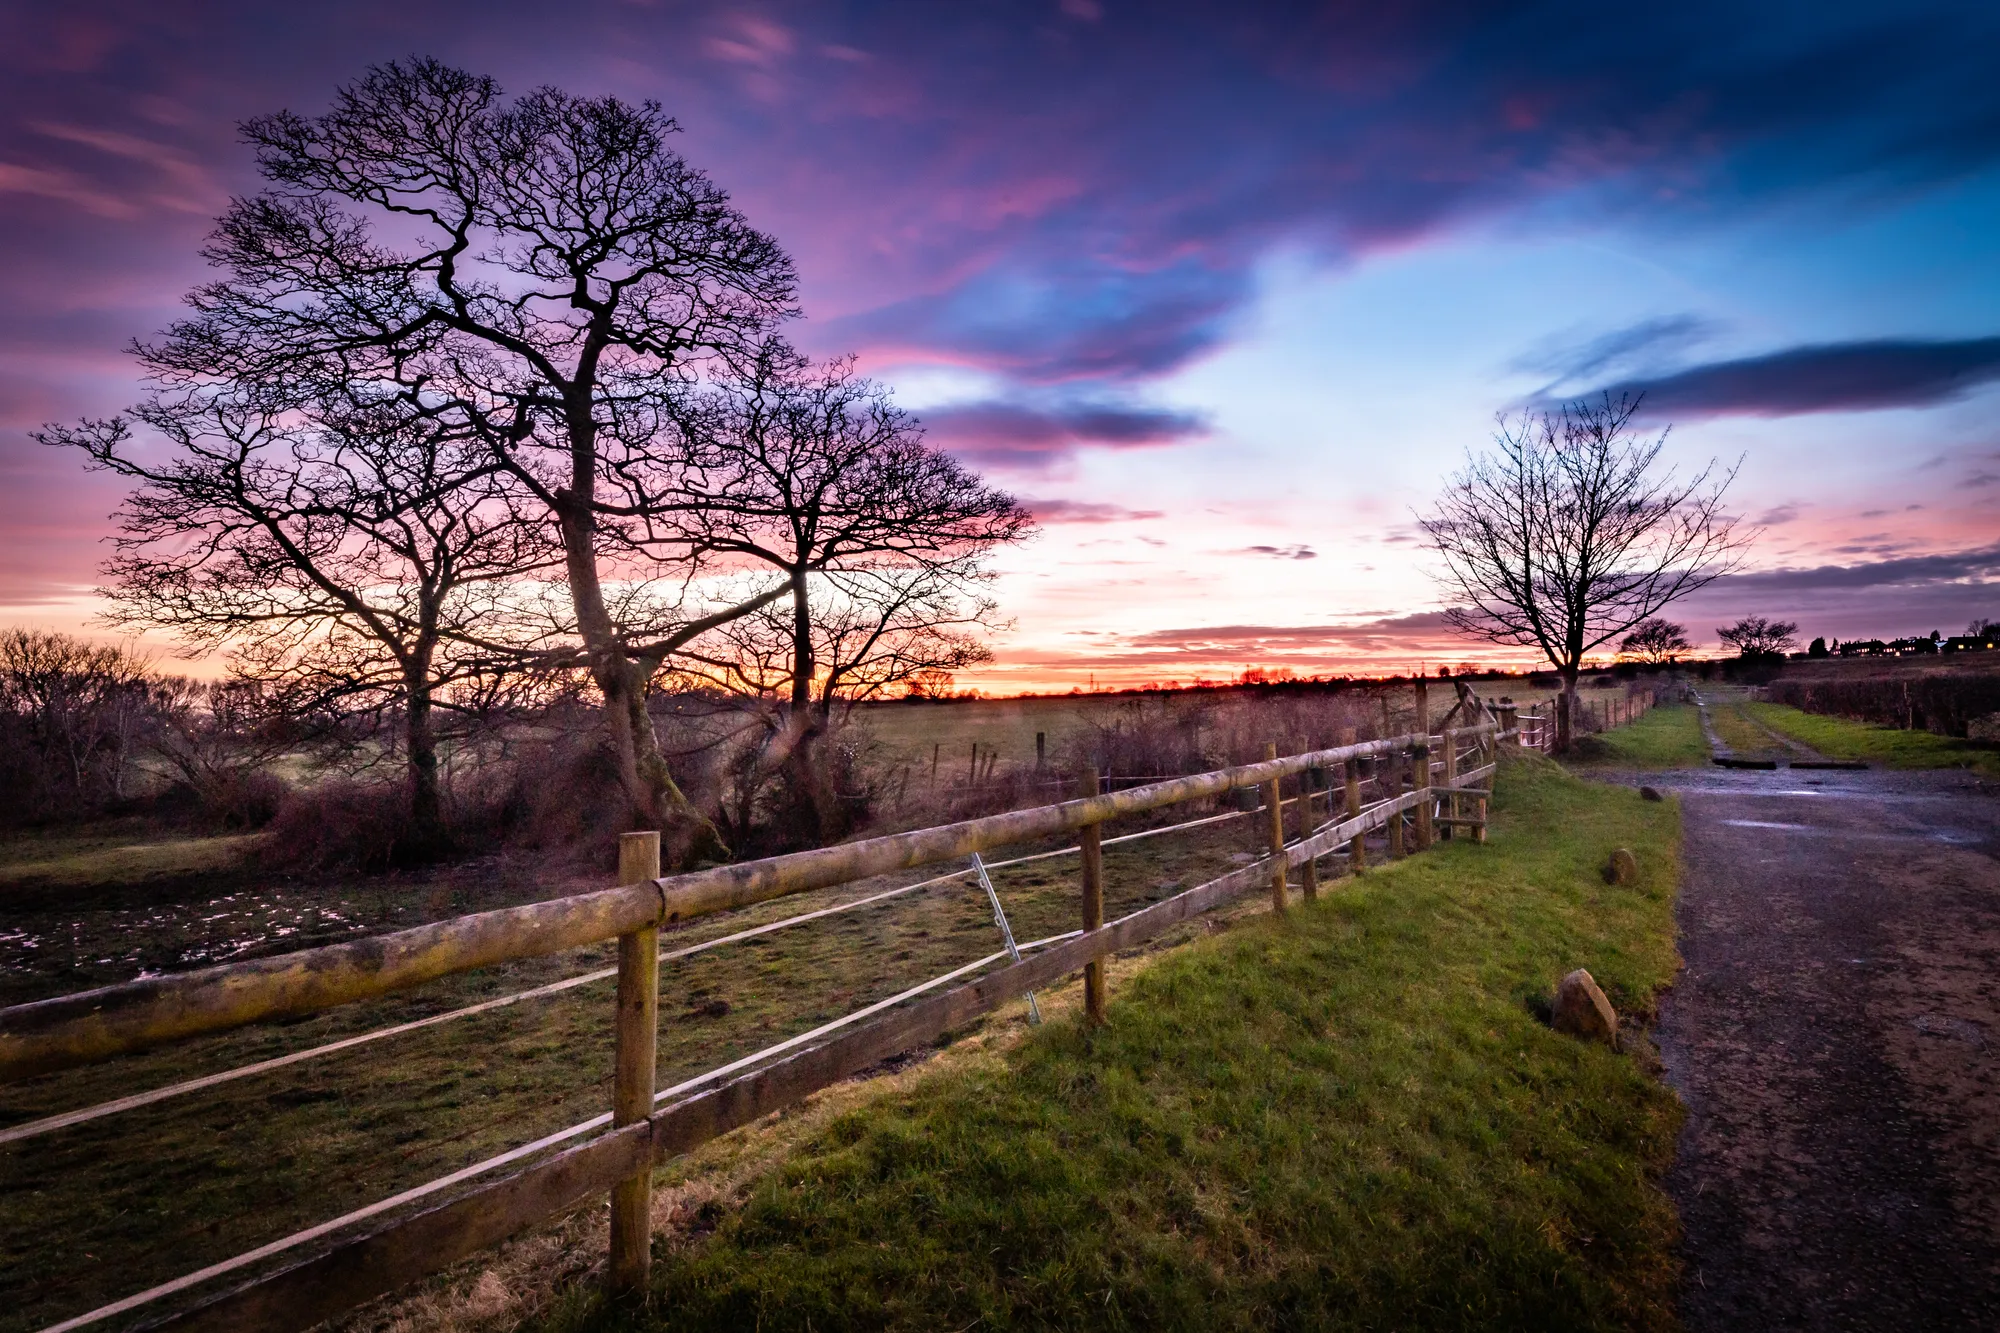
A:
[1348,1117]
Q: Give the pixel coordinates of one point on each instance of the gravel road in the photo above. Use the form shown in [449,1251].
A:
[1836,1037]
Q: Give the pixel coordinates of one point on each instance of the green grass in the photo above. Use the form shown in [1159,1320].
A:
[1665,737]
[1891,747]
[100,1210]
[1350,1117]
[87,863]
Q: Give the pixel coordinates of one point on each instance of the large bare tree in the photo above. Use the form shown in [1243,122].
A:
[535,274]
[1565,536]
[344,562]
[812,472]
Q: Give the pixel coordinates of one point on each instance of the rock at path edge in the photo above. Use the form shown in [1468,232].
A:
[1582,1011]
[1623,868]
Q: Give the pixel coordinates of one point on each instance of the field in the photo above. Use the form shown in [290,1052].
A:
[1891,747]
[88,1216]
[1352,1117]
[98,1210]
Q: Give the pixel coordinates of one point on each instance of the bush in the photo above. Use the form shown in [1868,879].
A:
[344,825]
[1946,705]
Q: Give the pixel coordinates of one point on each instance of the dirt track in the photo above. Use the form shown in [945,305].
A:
[1836,1036]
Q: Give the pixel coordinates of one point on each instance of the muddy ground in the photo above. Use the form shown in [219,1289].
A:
[1836,1036]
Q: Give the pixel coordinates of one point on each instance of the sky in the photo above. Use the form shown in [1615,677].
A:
[1224,292]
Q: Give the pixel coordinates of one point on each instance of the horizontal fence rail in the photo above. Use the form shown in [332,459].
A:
[648,1127]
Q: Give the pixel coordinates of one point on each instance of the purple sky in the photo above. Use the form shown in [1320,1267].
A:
[1224,290]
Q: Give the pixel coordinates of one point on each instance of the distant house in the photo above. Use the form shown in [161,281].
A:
[1971,643]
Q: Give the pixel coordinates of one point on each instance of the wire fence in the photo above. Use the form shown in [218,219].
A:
[619,1147]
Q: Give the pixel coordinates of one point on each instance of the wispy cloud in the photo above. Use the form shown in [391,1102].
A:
[1827,377]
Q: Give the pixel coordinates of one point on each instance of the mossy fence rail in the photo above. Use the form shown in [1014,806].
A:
[1426,786]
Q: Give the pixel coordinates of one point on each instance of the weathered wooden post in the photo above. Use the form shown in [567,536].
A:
[1510,720]
[1422,762]
[1309,868]
[1357,848]
[1041,750]
[1451,806]
[1423,727]
[1391,782]
[636,1044]
[1274,804]
[1095,986]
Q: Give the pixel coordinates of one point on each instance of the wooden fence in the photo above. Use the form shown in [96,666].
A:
[1449,779]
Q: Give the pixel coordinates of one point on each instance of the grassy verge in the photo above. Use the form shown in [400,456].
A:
[1891,747]
[1349,1117]
[1665,737]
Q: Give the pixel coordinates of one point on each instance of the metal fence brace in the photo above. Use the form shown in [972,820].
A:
[1006,932]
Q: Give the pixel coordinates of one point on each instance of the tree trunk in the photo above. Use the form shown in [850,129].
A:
[652,797]
[420,741]
[1565,712]
[810,780]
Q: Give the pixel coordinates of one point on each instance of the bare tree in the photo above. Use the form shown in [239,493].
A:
[812,472]
[531,274]
[342,561]
[72,716]
[1564,538]
[1656,639]
[1759,636]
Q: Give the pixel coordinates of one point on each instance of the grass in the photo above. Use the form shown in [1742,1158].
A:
[89,863]
[1891,747]
[1350,1117]
[1668,736]
[103,1209]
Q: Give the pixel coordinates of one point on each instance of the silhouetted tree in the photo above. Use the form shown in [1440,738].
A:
[1758,636]
[534,275]
[812,472]
[1656,639]
[342,560]
[73,715]
[1563,538]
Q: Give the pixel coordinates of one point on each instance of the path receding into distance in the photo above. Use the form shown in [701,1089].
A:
[1836,1037]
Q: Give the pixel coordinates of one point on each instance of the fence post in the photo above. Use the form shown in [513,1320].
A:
[1451,806]
[1274,803]
[1357,850]
[1510,720]
[1394,763]
[1092,843]
[636,1045]
[1309,868]
[1421,766]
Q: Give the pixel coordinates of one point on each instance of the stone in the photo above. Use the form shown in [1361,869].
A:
[1650,794]
[1623,868]
[1582,1011]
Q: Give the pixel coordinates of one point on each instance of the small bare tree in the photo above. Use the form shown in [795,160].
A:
[72,716]
[811,472]
[1760,636]
[1656,639]
[1564,537]
[340,560]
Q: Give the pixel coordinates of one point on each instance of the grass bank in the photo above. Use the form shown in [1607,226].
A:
[1891,747]
[1668,736]
[1349,1117]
